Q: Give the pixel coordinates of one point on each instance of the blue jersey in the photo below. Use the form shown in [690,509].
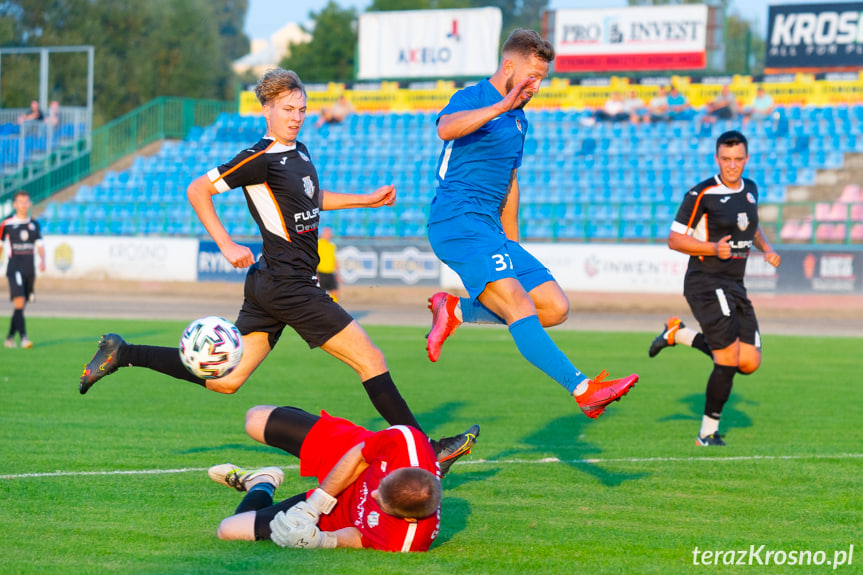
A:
[473,171]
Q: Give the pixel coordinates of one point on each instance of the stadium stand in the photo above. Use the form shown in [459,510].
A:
[579,181]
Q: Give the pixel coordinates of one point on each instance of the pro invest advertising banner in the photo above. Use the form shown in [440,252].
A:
[429,43]
[815,36]
[643,38]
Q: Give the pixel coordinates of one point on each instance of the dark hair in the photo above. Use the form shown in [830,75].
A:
[20,193]
[732,138]
[411,492]
[528,43]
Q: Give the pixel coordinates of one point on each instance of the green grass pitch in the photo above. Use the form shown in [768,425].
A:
[115,481]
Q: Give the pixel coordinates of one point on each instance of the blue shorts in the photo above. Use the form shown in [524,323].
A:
[476,248]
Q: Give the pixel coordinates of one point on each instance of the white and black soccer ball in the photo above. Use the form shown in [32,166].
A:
[211,347]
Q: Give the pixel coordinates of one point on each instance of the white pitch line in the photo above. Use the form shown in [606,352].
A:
[592,461]
[663,459]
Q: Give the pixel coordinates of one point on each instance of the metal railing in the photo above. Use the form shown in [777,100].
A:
[161,119]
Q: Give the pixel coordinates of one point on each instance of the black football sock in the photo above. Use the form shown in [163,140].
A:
[388,401]
[718,389]
[258,497]
[701,345]
[162,359]
[17,325]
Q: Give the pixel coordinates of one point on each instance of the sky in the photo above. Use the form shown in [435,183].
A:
[266,16]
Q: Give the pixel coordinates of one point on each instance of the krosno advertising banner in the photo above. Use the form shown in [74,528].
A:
[803,37]
[429,44]
[622,39]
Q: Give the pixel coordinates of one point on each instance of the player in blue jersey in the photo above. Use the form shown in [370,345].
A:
[285,199]
[716,226]
[473,224]
[23,235]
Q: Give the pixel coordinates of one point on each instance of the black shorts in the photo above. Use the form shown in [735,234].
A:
[329,282]
[271,303]
[20,284]
[723,309]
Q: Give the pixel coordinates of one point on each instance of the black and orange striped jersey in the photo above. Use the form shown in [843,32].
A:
[284,198]
[711,211]
[23,236]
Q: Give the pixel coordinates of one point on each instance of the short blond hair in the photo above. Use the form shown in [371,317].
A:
[277,81]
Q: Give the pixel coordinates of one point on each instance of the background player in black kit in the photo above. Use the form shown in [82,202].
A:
[284,197]
[25,240]
[717,225]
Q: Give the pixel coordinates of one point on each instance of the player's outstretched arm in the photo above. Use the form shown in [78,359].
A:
[383,196]
[200,194]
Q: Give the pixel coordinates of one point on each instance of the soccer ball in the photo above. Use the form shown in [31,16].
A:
[211,347]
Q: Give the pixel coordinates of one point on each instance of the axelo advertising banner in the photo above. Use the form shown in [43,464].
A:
[815,36]
[429,43]
[643,38]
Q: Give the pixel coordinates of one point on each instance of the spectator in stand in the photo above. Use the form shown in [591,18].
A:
[761,108]
[723,107]
[34,115]
[678,106]
[613,109]
[53,118]
[634,107]
[336,113]
[657,107]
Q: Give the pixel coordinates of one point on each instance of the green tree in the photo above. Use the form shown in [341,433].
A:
[143,49]
[330,55]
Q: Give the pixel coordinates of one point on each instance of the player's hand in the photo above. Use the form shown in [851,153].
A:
[723,248]
[516,96]
[239,256]
[286,532]
[773,258]
[383,196]
[301,514]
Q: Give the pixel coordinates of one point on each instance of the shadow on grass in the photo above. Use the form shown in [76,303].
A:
[576,453]
[454,513]
[732,414]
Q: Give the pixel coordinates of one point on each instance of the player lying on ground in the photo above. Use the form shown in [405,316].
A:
[378,490]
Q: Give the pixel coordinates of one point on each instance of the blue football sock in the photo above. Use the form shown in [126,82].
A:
[539,349]
[474,312]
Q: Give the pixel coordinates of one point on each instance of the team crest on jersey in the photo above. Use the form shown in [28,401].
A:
[374,519]
[24,235]
[518,125]
[750,197]
[742,221]
[303,156]
[308,186]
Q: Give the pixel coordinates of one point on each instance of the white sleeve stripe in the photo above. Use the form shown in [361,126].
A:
[217,180]
[411,444]
[679,228]
[445,162]
[409,537]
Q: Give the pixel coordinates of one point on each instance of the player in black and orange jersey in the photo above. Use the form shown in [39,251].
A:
[24,237]
[285,199]
[717,225]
